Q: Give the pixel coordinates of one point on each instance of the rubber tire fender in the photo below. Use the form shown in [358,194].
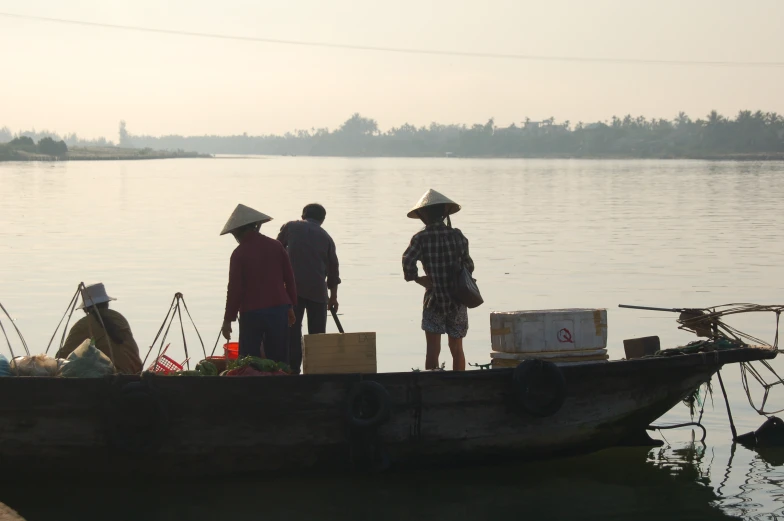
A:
[367,405]
[138,420]
[540,387]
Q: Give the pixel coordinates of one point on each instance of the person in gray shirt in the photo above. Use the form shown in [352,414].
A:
[315,263]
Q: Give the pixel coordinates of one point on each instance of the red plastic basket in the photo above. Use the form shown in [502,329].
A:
[164,364]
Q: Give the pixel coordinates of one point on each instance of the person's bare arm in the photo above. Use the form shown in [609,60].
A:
[333,277]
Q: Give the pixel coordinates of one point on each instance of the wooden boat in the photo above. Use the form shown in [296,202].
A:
[160,426]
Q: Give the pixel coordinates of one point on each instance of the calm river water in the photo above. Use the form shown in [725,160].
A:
[543,233]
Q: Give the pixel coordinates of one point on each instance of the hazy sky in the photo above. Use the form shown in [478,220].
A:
[74,78]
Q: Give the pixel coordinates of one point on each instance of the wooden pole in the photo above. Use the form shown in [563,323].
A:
[727,403]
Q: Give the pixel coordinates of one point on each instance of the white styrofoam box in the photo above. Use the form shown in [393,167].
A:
[510,360]
[548,330]
[544,355]
[499,363]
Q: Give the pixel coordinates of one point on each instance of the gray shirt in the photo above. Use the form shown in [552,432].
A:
[313,257]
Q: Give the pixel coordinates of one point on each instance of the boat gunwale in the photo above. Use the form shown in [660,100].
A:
[714,358]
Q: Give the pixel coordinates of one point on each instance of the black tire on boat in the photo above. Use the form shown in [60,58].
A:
[138,419]
[367,405]
[540,387]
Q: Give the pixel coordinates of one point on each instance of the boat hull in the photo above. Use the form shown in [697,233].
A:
[220,425]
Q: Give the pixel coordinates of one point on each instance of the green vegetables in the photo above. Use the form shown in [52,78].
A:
[207,368]
[203,368]
[260,364]
[263,365]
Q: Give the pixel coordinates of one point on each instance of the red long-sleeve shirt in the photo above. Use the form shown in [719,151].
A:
[260,276]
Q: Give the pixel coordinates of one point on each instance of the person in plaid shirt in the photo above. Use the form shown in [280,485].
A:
[442,251]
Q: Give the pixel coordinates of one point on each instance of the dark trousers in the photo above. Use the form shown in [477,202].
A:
[317,323]
[270,326]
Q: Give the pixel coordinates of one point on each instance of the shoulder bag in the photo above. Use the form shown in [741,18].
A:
[466,290]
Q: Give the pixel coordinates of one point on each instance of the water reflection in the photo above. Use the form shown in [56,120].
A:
[687,481]
[751,487]
[545,234]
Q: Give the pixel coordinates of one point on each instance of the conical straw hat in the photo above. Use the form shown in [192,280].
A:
[243,215]
[432,198]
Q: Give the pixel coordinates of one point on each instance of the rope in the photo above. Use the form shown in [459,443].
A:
[175,311]
[679,425]
[7,341]
[184,343]
[216,344]
[203,349]
[24,344]
[166,333]
[144,362]
[712,319]
[68,321]
[69,309]
[745,369]
[698,423]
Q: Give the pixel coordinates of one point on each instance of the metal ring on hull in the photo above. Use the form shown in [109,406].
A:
[367,405]
[540,387]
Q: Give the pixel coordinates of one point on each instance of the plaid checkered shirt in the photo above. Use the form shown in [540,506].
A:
[442,251]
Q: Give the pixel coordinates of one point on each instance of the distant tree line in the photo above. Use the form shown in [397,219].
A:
[71,140]
[749,133]
[22,146]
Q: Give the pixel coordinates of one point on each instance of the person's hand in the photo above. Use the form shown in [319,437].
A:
[333,303]
[226,329]
[425,282]
[292,317]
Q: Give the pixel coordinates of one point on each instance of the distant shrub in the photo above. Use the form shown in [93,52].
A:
[51,147]
[22,141]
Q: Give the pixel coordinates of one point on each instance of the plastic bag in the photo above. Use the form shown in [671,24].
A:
[5,367]
[37,365]
[87,361]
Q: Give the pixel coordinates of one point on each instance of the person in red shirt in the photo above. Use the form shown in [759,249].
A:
[261,288]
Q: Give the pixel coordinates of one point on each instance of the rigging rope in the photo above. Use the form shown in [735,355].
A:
[699,320]
[698,423]
[69,309]
[678,426]
[24,343]
[708,322]
[203,349]
[144,362]
[172,311]
[216,344]
[175,311]
[184,343]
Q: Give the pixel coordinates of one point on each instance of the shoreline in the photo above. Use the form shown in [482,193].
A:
[97,154]
[704,157]
[141,154]
[49,159]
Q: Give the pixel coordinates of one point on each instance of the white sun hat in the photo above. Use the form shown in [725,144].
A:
[243,215]
[432,198]
[94,294]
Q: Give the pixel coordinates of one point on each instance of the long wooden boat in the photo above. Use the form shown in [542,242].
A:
[158,425]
